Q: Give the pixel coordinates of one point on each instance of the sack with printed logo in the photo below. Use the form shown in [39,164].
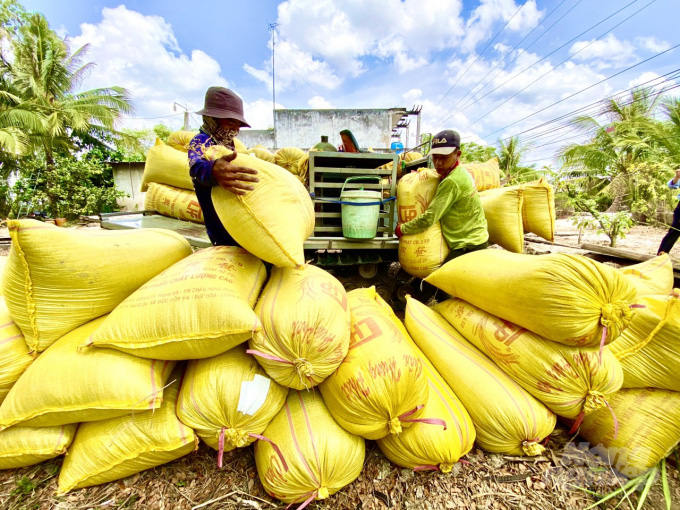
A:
[486,175]
[649,349]
[506,417]
[570,381]
[200,307]
[166,165]
[108,450]
[569,299]
[57,279]
[503,213]
[380,388]
[26,446]
[653,277]
[14,356]
[422,253]
[173,202]
[228,400]
[274,219]
[318,457]
[64,385]
[305,322]
[642,427]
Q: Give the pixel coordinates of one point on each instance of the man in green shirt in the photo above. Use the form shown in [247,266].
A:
[456,204]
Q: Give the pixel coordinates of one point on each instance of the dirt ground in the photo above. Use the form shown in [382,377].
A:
[558,479]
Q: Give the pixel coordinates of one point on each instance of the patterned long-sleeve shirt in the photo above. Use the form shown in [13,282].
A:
[200,170]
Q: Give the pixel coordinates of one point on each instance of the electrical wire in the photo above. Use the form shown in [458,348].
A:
[580,91]
[510,53]
[479,55]
[548,55]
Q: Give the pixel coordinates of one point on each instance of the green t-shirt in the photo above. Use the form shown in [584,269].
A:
[459,208]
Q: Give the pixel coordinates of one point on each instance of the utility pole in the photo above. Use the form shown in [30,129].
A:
[185,126]
[272,28]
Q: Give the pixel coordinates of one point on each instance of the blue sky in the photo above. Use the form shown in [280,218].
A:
[377,54]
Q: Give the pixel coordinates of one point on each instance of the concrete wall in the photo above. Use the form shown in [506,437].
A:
[304,128]
[128,178]
[253,137]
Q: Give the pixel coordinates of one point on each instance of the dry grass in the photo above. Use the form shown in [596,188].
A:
[490,481]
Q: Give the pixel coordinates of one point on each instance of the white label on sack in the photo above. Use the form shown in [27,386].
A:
[253,395]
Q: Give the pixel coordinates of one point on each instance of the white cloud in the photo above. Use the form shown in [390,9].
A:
[605,53]
[502,48]
[319,103]
[141,53]
[328,40]
[652,44]
[295,67]
[412,96]
[652,80]
[485,17]
[259,113]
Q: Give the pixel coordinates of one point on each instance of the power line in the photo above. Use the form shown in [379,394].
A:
[480,54]
[582,90]
[548,55]
[668,77]
[510,53]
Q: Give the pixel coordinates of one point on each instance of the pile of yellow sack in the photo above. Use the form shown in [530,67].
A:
[124,350]
[168,185]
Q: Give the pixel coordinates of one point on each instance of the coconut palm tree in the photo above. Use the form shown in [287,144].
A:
[510,156]
[615,147]
[48,75]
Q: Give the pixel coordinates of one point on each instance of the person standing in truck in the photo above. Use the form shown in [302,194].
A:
[456,203]
[222,119]
[674,232]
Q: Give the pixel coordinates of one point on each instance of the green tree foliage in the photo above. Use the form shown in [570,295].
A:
[472,152]
[44,117]
[68,188]
[510,156]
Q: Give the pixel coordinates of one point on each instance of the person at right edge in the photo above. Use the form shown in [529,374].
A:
[222,120]
[456,203]
[674,232]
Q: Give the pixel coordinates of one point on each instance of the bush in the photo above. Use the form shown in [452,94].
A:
[68,188]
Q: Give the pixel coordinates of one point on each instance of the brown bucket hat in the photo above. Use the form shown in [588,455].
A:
[222,103]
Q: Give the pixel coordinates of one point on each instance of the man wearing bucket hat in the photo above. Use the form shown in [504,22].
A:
[222,119]
[456,203]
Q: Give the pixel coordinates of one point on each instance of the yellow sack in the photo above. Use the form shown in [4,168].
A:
[507,418]
[108,450]
[305,318]
[380,387]
[290,158]
[538,212]
[422,253]
[486,175]
[200,307]
[3,262]
[14,356]
[568,380]
[648,429]
[653,277]
[649,349]
[318,457]
[424,446]
[25,446]
[240,147]
[66,386]
[173,202]
[565,298]
[57,279]
[503,212]
[166,166]
[274,220]
[228,399]
[410,156]
[261,153]
[180,140]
